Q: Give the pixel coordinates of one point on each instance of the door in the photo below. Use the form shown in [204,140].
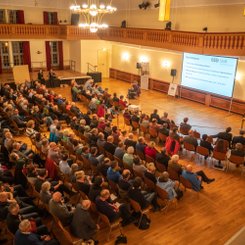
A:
[102,61]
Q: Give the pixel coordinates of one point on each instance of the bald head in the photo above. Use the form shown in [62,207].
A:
[57,196]
[86,204]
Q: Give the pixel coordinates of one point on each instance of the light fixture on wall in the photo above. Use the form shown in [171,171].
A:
[92,12]
[125,56]
[144,5]
[143,59]
[165,64]
[38,52]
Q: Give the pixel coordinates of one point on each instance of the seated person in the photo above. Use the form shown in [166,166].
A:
[58,208]
[155,115]
[140,145]
[113,172]
[112,211]
[24,235]
[95,188]
[165,183]
[196,178]
[138,167]
[150,173]
[239,139]
[128,157]
[144,198]
[125,182]
[120,150]
[191,139]
[45,194]
[130,141]
[63,164]
[109,146]
[82,225]
[206,144]
[83,182]
[226,135]
[150,150]
[184,127]
[163,158]
[239,150]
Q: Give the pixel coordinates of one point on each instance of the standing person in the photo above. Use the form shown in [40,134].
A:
[52,78]
[40,77]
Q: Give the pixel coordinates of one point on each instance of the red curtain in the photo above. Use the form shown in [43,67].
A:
[55,15]
[48,55]
[45,18]
[27,54]
[20,17]
[61,61]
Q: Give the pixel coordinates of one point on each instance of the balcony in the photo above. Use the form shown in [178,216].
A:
[232,44]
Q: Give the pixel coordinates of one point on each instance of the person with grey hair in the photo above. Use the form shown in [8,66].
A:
[25,236]
[82,224]
[165,183]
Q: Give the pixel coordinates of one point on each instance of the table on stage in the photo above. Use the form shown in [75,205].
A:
[79,79]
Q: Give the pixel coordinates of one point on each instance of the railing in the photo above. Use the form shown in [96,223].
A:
[91,68]
[203,43]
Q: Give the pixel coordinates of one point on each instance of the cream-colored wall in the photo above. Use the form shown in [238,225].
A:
[35,15]
[156,57]
[89,52]
[222,18]
[38,60]
[75,54]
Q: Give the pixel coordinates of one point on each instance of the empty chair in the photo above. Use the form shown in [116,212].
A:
[202,152]
[238,160]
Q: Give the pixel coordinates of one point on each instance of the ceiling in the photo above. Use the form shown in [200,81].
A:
[120,4]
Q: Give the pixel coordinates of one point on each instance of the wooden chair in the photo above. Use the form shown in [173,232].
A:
[202,152]
[136,207]
[141,155]
[139,174]
[189,148]
[153,132]
[184,131]
[173,175]
[144,130]
[219,156]
[186,183]
[163,195]
[162,137]
[238,160]
[160,167]
[113,186]
[119,160]
[135,125]
[111,226]
[127,122]
[150,184]
[86,164]
[68,236]
[149,159]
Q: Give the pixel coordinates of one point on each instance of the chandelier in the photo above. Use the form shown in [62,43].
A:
[93,12]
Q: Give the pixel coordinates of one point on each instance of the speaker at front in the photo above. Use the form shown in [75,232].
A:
[173,72]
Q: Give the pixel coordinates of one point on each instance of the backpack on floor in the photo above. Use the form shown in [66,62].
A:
[144,224]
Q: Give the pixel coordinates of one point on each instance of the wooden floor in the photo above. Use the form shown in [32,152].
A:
[208,218]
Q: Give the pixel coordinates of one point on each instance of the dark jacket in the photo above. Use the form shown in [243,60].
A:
[82,224]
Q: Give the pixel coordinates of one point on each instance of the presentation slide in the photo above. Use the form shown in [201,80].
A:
[212,74]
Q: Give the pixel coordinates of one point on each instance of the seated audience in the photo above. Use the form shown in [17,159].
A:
[128,157]
[239,139]
[113,172]
[162,157]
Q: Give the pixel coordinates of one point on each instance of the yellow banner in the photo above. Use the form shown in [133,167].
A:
[164,10]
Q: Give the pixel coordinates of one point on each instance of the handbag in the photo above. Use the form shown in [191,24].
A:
[121,239]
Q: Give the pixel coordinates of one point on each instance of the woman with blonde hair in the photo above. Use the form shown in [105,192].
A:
[150,173]
[83,182]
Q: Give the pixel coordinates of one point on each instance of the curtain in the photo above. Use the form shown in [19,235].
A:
[48,55]
[27,54]
[45,18]
[20,17]
[55,15]
[61,61]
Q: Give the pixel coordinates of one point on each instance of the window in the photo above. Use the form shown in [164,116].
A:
[2,16]
[54,53]
[17,53]
[4,52]
[52,18]
[12,16]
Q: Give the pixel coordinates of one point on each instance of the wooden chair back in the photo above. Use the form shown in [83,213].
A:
[150,184]
[141,155]
[162,137]
[160,167]
[220,156]
[173,175]
[202,150]
[161,193]
[149,159]
[120,161]
[113,186]
[236,159]
[196,134]
[153,132]
[189,147]
[185,182]
[109,155]
[126,121]
[135,205]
